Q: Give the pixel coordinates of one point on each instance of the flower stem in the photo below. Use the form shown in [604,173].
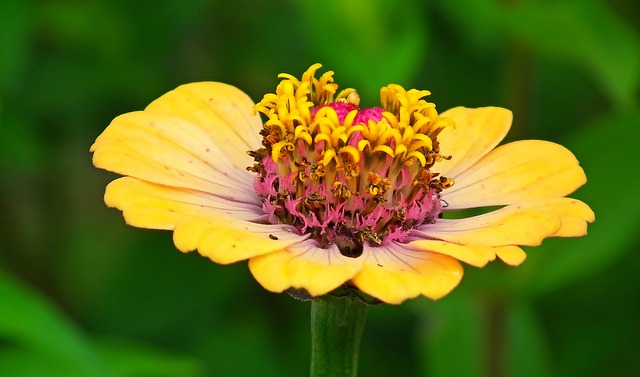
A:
[336,330]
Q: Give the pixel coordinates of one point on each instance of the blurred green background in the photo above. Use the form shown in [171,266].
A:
[82,294]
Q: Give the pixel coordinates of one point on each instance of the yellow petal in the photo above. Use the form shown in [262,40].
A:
[477,132]
[153,206]
[515,172]
[574,215]
[198,151]
[305,266]
[393,273]
[169,151]
[474,255]
[225,239]
[222,110]
[511,255]
[516,224]
[219,228]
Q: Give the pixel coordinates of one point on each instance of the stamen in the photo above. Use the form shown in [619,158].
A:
[348,176]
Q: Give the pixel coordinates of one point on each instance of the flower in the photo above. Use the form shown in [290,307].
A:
[324,193]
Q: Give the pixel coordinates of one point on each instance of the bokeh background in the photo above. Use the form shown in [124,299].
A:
[82,294]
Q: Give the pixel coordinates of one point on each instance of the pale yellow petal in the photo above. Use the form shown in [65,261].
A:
[153,206]
[220,229]
[515,172]
[574,215]
[221,110]
[477,132]
[526,224]
[169,151]
[475,255]
[224,239]
[393,273]
[512,225]
[304,266]
[511,255]
[195,136]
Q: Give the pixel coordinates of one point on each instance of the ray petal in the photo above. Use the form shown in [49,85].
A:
[184,140]
[394,273]
[220,229]
[477,132]
[526,224]
[304,266]
[511,255]
[153,206]
[222,110]
[475,255]
[515,172]
[225,239]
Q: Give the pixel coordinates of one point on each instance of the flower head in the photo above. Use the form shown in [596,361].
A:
[325,193]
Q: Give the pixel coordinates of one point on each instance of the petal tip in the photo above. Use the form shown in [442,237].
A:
[511,255]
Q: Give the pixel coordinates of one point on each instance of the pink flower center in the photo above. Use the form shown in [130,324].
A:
[342,109]
[347,176]
[356,203]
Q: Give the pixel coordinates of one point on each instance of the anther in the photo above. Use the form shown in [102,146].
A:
[340,190]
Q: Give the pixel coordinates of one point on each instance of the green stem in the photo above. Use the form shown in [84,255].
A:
[336,330]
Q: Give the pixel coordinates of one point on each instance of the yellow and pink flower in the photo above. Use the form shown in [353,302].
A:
[325,193]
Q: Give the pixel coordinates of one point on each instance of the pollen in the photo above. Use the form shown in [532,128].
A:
[347,175]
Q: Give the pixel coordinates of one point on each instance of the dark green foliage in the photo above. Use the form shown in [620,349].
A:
[82,294]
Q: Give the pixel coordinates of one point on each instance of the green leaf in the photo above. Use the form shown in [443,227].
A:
[456,325]
[479,21]
[130,359]
[16,20]
[15,361]
[30,322]
[525,346]
[368,43]
[21,148]
[589,34]
[586,33]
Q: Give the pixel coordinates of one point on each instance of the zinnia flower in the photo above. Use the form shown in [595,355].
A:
[325,194]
